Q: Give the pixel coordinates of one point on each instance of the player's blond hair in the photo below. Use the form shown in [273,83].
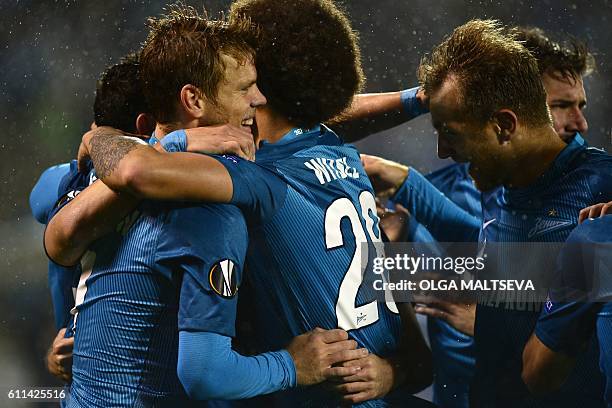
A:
[493,69]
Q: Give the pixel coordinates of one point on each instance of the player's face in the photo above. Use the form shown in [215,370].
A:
[566,99]
[465,140]
[237,95]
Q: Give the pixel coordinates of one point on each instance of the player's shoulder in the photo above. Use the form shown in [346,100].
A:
[206,220]
[593,230]
[45,192]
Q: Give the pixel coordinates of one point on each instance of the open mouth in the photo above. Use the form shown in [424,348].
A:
[247,124]
[250,125]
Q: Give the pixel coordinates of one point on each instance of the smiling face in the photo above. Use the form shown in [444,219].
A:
[466,140]
[566,100]
[237,95]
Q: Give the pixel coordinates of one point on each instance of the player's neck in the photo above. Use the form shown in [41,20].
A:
[271,125]
[162,129]
[537,159]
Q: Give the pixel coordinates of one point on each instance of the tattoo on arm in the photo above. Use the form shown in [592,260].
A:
[108,148]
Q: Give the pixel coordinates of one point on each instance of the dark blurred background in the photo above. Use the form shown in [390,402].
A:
[52,52]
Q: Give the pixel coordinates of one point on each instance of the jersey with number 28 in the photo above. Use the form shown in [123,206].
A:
[313,228]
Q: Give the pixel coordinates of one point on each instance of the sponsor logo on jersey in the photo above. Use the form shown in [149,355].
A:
[544,225]
[327,170]
[222,278]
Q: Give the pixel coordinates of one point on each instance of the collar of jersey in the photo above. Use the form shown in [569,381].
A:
[295,140]
[559,166]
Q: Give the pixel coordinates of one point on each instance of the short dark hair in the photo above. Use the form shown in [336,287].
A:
[119,98]
[493,69]
[308,59]
[567,56]
[184,47]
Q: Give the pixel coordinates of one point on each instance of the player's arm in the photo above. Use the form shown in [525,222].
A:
[372,113]
[93,213]
[207,357]
[126,165]
[445,220]
[201,242]
[544,370]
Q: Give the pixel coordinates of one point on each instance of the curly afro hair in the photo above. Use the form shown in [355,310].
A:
[307,57]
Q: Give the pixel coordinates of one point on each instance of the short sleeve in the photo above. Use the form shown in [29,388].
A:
[45,193]
[206,245]
[568,317]
[258,191]
[70,186]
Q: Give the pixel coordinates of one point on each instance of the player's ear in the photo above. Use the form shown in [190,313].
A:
[193,102]
[505,122]
[145,124]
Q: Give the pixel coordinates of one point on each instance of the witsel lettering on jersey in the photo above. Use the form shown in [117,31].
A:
[544,225]
[327,170]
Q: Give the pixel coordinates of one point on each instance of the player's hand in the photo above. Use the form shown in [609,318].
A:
[221,139]
[423,98]
[394,223]
[459,315]
[594,211]
[59,356]
[386,176]
[374,380]
[316,352]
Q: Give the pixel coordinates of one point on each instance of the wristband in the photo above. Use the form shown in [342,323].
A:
[412,106]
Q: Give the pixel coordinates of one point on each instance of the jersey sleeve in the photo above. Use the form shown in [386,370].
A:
[207,246]
[45,193]
[70,186]
[568,317]
[445,220]
[60,280]
[257,191]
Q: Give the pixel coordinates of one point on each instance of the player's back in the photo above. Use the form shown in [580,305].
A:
[125,328]
[306,258]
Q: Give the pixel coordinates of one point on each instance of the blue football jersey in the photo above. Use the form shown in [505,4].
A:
[165,268]
[545,211]
[312,217]
[43,197]
[576,307]
[452,351]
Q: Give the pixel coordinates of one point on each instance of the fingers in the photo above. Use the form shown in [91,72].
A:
[432,312]
[346,355]
[606,209]
[340,373]
[63,346]
[583,215]
[341,345]
[332,336]
[595,211]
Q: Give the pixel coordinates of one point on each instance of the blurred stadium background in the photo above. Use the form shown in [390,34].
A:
[52,52]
